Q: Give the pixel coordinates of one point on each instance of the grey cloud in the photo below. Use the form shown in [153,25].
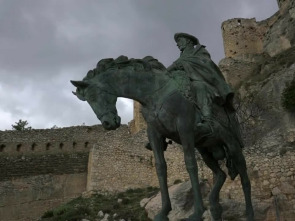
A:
[45,44]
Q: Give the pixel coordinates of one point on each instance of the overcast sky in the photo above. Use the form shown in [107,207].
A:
[46,43]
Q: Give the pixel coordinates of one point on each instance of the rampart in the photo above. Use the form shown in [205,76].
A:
[40,169]
[33,182]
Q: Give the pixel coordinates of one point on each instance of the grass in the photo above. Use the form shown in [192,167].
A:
[88,208]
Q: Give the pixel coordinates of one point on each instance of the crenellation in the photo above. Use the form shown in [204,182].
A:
[79,138]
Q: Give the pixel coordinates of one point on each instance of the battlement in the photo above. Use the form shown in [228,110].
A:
[48,141]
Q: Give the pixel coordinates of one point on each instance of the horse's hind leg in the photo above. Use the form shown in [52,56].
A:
[156,141]
[240,163]
[219,179]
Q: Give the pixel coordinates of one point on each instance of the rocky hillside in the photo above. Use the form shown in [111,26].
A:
[265,100]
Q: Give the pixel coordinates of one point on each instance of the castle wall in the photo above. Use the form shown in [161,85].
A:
[79,138]
[41,169]
[34,182]
[242,36]
[125,163]
[27,198]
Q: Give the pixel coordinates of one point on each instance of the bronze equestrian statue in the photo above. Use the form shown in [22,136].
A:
[189,103]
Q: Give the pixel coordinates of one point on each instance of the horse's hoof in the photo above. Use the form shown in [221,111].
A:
[216,212]
[250,218]
[161,217]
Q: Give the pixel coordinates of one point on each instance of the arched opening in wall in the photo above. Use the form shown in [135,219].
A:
[2,147]
[18,147]
[86,144]
[33,146]
[74,144]
[48,146]
[61,145]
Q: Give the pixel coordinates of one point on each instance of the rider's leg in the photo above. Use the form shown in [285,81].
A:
[203,98]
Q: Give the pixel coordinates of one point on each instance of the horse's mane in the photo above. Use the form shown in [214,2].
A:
[122,62]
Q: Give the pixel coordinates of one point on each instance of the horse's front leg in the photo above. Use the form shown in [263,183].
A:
[187,140]
[157,144]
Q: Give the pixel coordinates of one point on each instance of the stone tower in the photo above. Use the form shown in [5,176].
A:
[242,36]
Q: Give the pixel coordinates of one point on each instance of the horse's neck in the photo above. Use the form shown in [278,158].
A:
[138,86]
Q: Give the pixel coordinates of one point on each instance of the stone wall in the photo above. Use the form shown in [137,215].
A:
[122,162]
[79,138]
[119,161]
[41,169]
[39,164]
[242,36]
[27,198]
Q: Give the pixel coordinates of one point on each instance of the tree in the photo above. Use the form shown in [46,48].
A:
[21,125]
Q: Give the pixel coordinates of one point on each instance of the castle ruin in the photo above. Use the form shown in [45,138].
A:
[41,169]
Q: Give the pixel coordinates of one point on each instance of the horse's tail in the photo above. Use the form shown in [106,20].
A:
[234,126]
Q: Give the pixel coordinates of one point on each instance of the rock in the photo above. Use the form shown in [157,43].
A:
[276,191]
[106,217]
[182,204]
[100,214]
[181,200]
[207,216]
[120,200]
[144,201]
[265,183]
[286,188]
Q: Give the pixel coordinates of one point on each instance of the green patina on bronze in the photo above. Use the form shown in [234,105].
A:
[189,103]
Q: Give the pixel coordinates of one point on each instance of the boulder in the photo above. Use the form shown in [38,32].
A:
[181,200]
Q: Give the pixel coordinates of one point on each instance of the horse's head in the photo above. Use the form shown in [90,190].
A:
[102,103]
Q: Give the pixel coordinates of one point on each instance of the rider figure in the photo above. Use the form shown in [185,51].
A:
[207,81]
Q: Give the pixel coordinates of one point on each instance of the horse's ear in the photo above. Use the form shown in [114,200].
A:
[80,84]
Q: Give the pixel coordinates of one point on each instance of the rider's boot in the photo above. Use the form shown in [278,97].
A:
[204,128]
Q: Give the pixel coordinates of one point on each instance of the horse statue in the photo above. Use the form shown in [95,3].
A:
[168,114]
